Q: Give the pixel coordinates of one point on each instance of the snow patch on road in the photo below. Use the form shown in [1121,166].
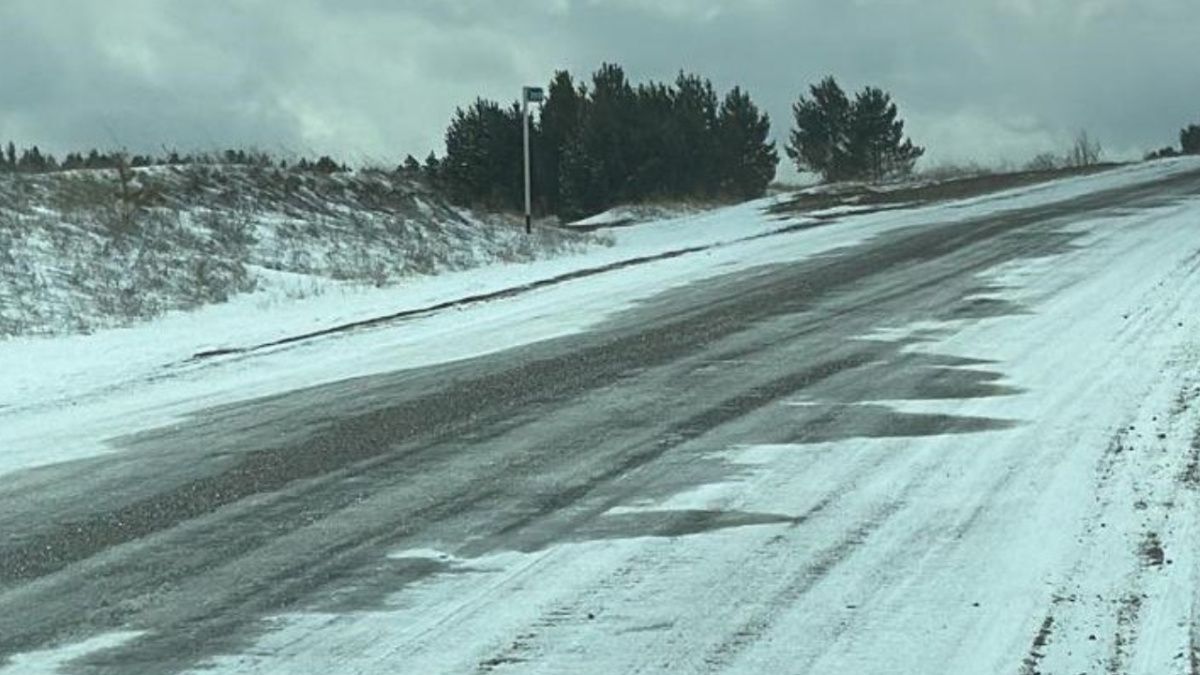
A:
[424,554]
[58,660]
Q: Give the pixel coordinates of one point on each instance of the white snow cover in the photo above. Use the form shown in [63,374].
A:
[58,660]
[631,214]
[1106,350]
[76,258]
[61,397]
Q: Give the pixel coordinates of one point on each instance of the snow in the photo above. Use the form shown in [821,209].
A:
[885,588]
[630,214]
[49,661]
[1103,352]
[63,397]
[71,263]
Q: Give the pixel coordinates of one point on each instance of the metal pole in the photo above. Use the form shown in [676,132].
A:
[525,118]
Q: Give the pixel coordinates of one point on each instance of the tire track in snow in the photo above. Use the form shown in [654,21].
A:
[1135,479]
[742,643]
[1030,665]
[743,638]
[750,630]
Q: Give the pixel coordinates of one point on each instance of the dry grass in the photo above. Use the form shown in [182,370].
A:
[89,249]
[927,190]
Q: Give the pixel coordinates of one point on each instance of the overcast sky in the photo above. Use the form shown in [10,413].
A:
[372,80]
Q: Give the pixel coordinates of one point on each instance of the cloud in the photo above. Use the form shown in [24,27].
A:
[697,11]
[977,136]
[372,80]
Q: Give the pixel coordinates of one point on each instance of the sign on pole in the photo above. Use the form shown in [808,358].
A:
[528,95]
[534,95]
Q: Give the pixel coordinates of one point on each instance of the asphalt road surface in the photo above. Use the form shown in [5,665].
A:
[580,504]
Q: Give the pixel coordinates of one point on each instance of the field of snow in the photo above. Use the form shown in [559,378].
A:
[914,533]
[62,397]
[1106,361]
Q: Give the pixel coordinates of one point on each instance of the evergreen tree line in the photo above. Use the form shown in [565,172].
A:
[34,160]
[608,142]
[841,138]
[1189,144]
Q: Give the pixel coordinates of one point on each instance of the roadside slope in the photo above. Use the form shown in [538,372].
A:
[119,381]
[86,250]
[888,453]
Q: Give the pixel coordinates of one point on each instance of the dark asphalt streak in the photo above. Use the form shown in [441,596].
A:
[197,531]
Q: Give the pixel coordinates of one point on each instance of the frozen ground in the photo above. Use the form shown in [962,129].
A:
[1085,560]
[63,396]
[82,251]
[959,438]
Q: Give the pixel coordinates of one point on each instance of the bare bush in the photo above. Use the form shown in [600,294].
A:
[1085,151]
[229,229]
[8,235]
[1046,161]
[77,193]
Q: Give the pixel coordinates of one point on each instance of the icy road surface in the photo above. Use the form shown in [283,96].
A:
[959,439]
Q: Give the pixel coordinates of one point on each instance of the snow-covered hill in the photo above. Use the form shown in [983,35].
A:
[61,397]
[989,464]
[82,250]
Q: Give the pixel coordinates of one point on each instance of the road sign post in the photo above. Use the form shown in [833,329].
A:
[528,95]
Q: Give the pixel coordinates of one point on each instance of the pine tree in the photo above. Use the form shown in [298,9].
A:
[96,161]
[483,162]
[821,138]
[31,161]
[747,158]
[607,135]
[842,139]
[877,147]
[432,168]
[464,167]
[326,164]
[560,121]
[655,144]
[695,120]
[1189,140]
[578,192]
[10,156]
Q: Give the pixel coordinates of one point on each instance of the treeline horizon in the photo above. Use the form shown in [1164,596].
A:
[608,141]
[1189,144]
[32,160]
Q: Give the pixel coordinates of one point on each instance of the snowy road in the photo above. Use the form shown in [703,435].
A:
[964,445]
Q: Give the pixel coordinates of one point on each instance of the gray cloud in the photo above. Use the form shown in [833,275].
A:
[371,80]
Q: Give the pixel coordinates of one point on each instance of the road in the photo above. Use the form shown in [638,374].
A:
[964,446]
